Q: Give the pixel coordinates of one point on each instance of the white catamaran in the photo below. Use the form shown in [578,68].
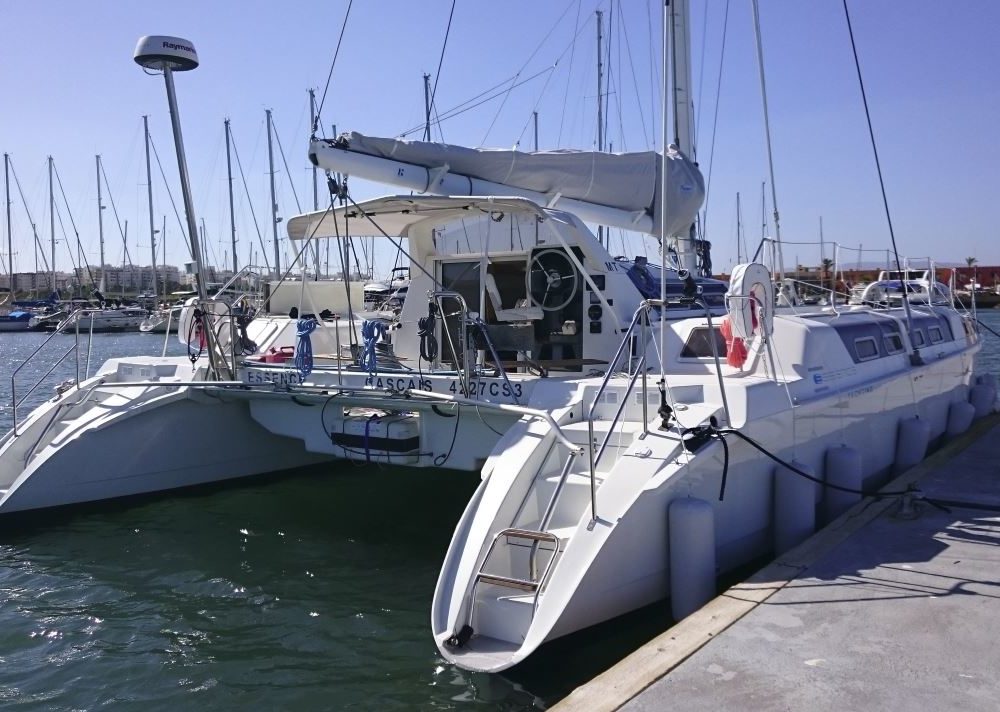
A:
[619,414]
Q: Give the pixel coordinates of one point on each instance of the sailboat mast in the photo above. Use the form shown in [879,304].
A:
[739,228]
[274,202]
[10,240]
[427,107]
[600,98]
[312,122]
[163,244]
[100,215]
[232,210]
[822,252]
[665,142]
[149,194]
[52,225]
[679,31]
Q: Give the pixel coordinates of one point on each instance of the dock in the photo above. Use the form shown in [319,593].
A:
[888,607]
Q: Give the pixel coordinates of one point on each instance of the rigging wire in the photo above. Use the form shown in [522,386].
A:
[523,67]
[767,136]
[654,71]
[462,108]
[878,168]
[34,227]
[256,225]
[444,45]
[569,75]
[329,76]
[284,161]
[701,68]
[170,195]
[114,209]
[73,223]
[635,81]
[715,123]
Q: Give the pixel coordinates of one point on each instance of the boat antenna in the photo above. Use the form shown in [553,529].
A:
[915,354]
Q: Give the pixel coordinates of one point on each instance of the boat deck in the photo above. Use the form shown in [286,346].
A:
[877,611]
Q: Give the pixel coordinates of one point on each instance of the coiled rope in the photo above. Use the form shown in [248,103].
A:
[425,330]
[303,346]
[371,332]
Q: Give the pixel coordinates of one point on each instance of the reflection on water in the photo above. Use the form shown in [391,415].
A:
[307,589]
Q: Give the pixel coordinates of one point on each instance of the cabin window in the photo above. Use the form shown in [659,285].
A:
[866,348]
[935,334]
[918,338]
[893,343]
[699,345]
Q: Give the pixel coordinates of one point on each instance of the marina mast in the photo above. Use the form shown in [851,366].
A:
[149,192]
[100,217]
[52,225]
[10,240]
[232,211]
[274,202]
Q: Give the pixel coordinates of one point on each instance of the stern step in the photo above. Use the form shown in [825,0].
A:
[508,582]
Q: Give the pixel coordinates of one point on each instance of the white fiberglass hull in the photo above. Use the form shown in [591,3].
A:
[134,440]
[622,563]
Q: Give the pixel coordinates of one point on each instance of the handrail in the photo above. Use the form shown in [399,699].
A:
[246,270]
[550,508]
[463,368]
[481,325]
[74,317]
[55,413]
[643,308]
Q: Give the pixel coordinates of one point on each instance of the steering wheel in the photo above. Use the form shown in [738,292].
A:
[551,280]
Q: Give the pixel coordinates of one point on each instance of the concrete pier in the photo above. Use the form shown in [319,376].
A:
[886,608]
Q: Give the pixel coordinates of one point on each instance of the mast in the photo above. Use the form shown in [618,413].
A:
[679,31]
[427,107]
[52,225]
[739,227]
[10,240]
[312,122]
[232,210]
[600,99]
[274,202]
[534,115]
[149,194]
[100,216]
[163,242]
[822,252]
[665,130]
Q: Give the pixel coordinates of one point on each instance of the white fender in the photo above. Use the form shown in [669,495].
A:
[750,280]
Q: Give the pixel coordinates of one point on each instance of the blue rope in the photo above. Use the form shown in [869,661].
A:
[303,347]
[371,331]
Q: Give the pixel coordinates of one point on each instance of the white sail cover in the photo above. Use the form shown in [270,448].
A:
[623,181]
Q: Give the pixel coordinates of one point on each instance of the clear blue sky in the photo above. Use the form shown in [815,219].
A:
[70,89]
